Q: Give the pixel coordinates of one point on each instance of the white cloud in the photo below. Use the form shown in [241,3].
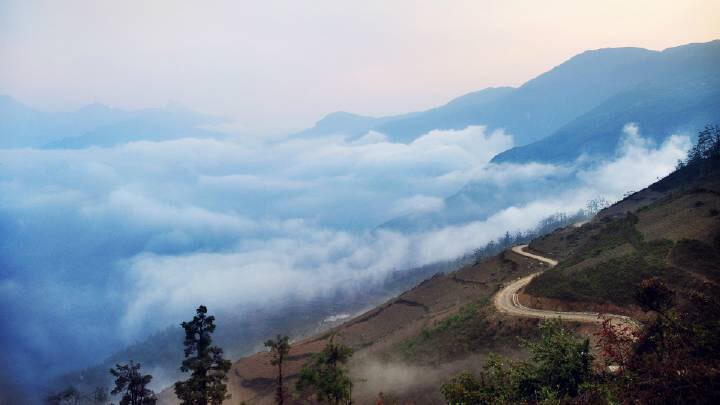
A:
[292,178]
[639,163]
[146,212]
[418,203]
[153,228]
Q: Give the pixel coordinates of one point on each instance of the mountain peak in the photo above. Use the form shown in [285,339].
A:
[95,107]
[10,105]
[7,100]
[342,115]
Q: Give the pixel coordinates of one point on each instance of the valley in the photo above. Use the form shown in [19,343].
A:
[451,322]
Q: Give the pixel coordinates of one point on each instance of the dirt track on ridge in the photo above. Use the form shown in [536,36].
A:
[506,300]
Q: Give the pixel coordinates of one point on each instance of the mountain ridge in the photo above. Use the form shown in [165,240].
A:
[97,124]
[681,94]
[536,108]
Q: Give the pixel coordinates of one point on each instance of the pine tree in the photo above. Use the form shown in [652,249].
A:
[132,384]
[326,375]
[279,349]
[205,362]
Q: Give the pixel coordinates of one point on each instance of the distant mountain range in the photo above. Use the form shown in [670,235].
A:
[579,107]
[97,125]
[679,93]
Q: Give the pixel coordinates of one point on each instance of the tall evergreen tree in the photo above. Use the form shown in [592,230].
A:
[205,362]
[279,349]
[132,384]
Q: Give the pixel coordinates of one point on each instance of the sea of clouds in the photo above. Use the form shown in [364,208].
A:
[102,246]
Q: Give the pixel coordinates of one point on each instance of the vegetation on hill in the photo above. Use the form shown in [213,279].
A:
[461,320]
[449,337]
[545,226]
[611,280]
[673,359]
[325,377]
[559,365]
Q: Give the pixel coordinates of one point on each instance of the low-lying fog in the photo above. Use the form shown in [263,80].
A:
[102,246]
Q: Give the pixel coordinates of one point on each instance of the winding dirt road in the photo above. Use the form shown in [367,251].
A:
[506,300]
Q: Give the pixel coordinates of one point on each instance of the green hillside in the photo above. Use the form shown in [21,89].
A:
[676,237]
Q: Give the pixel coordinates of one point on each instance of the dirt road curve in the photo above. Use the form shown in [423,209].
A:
[507,302]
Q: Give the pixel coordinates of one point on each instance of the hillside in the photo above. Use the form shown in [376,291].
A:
[418,328]
[242,332]
[409,345]
[671,230]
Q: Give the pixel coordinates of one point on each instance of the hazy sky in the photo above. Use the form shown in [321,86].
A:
[280,65]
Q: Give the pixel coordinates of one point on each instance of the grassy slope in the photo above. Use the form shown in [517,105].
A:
[444,320]
[673,234]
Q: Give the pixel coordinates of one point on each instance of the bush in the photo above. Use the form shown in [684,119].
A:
[325,375]
[558,367]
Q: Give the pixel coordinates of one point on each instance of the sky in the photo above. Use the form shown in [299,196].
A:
[278,66]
